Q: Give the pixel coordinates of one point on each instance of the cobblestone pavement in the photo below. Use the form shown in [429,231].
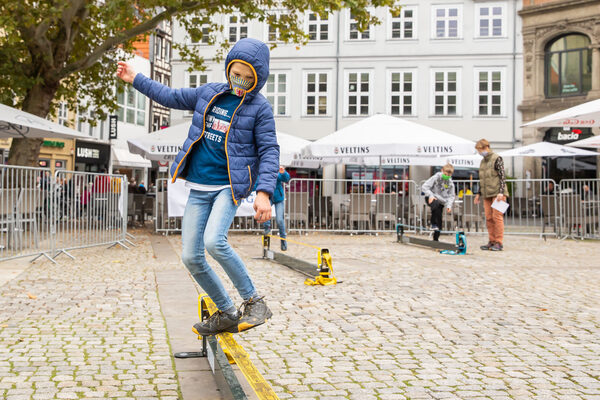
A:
[88,328]
[407,322]
[404,322]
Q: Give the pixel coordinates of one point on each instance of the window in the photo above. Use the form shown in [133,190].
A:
[402,92]
[205,35]
[490,19]
[445,92]
[403,25]
[158,48]
[489,94]
[276,91]
[568,66]
[132,106]
[353,33]
[318,27]
[272,31]
[167,47]
[358,93]
[316,87]
[447,22]
[63,113]
[238,28]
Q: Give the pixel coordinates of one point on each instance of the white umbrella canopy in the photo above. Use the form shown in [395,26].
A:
[20,124]
[161,145]
[384,135]
[164,144]
[593,141]
[546,149]
[582,115]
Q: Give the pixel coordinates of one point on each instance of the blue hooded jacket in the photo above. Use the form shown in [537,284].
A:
[251,143]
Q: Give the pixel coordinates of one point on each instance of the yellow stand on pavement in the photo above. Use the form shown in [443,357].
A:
[324,262]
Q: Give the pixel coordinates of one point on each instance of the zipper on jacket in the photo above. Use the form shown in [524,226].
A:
[227,153]
[201,135]
[250,175]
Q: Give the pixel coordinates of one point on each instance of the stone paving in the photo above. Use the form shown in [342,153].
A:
[404,323]
[88,328]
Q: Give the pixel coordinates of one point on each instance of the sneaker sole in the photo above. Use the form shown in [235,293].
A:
[244,326]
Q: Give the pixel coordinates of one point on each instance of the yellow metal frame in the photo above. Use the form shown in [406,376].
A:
[237,355]
[324,261]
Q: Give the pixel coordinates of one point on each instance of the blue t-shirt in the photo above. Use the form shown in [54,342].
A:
[208,165]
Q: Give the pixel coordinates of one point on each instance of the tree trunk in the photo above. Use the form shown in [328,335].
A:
[25,152]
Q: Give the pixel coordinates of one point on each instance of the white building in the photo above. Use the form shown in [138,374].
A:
[452,65]
[133,121]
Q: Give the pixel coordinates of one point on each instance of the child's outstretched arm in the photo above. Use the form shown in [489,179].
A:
[182,99]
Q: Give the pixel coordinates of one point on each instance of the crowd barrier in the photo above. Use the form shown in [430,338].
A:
[537,207]
[48,215]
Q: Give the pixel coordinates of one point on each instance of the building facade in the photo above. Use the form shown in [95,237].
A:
[561,49]
[452,65]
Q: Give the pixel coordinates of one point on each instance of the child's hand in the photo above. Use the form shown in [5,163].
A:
[262,206]
[125,72]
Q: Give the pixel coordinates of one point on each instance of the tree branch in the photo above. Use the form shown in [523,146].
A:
[128,34]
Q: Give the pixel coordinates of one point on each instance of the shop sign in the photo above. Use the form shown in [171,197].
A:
[112,127]
[53,143]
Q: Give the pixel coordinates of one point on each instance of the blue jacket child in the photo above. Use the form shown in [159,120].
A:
[230,144]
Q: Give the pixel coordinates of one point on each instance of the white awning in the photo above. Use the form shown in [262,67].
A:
[123,158]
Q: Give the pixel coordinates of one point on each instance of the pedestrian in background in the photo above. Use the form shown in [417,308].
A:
[278,201]
[439,194]
[492,186]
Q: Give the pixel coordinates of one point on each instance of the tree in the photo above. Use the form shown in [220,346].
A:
[68,49]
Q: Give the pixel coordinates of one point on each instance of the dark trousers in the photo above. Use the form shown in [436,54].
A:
[437,208]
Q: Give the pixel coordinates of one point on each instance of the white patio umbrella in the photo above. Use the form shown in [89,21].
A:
[20,124]
[582,115]
[546,149]
[384,135]
[593,141]
[164,144]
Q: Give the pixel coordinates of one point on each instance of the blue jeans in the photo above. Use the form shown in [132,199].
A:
[206,220]
[279,217]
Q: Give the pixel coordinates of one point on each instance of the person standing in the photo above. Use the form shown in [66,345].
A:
[279,203]
[439,194]
[492,186]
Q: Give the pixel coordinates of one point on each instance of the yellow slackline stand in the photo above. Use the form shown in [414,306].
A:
[236,354]
[324,262]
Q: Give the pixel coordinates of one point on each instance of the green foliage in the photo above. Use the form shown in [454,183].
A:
[69,48]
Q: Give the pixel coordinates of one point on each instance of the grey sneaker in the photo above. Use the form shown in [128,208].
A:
[217,323]
[255,313]
[284,245]
[496,247]
[486,246]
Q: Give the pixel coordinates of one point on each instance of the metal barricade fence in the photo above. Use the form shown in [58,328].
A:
[533,207]
[162,222]
[580,208]
[345,205]
[90,210]
[47,215]
[26,206]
